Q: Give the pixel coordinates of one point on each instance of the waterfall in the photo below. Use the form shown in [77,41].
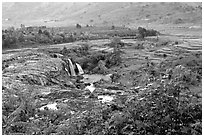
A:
[74,69]
[81,72]
[71,66]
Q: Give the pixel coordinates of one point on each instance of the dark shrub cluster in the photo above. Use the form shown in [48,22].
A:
[15,37]
[144,32]
[27,36]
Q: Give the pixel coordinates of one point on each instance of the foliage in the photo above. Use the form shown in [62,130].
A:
[45,32]
[165,106]
[165,103]
[9,42]
[91,61]
[78,26]
[83,50]
[164,109]
[139,46]
[144,32]
[36,35]
[116,42]
[114,59]
[113,27]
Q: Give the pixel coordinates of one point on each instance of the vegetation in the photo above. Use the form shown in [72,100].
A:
[25,37]
[165,98]
[78,26]
[144,33]
[168,106]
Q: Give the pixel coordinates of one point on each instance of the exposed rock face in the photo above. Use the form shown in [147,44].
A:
[32,68]
[101,68]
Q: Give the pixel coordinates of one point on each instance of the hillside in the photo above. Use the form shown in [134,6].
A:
[136,70]
[64,14]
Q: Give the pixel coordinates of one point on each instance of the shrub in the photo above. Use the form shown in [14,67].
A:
[114,59]
[85,47]
[144,32]
[151,32]
[40,31]
[94,59]
[78,26]
[116,42]
[82,51]
[45,32]
[139,46]
[9,42]
[64,51]
[69,38]
[43,39]
[57,39]
[113,27]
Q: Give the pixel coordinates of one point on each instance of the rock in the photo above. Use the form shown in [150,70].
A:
[100,68]
[106,78]
[49,107]
[91,88]
[31,68]
[104,99]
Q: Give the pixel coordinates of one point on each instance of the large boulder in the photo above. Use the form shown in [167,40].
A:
[32,68]
[100,68]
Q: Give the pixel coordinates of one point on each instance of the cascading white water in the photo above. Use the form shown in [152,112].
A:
[71,66]
[81,72]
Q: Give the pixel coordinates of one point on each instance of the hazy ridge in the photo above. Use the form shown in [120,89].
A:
[126,13]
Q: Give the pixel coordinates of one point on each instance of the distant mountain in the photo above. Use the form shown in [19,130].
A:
[126,13]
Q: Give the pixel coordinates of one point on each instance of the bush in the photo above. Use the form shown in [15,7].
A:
[69,38]
[57,39]
[45,32]
[151,32]
[64,51]
[82,51]
[114,59]
[113,27]
[21,38]
[9,42]
[116,42]
[144,32]
[43,39]
[93,60]
[139,46]
[78,26]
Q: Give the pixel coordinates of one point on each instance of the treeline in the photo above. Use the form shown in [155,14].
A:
[26,36]
[12,38]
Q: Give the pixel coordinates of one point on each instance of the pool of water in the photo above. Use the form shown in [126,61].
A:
[95,78]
